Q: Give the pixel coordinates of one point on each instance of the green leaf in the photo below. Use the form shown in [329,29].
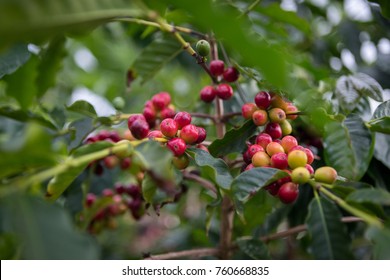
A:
[383,110]
[26,116]
[154,57]
[343,189]
[8,246]
[349,147]
[21,84]
[50,64]
[45,230]
[26,20]
[382,148]
[13,58]
[214,168]
[380,125]
[385,7]
[149,189]
[83,107]
[349,90]
[254,248]
[329,239]
[381,241]
[376,196]
[233,141]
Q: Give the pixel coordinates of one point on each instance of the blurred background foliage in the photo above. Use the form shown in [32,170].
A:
[53,53]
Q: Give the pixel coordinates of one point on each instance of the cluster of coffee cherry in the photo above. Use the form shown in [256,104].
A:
[275,148]
[125,198]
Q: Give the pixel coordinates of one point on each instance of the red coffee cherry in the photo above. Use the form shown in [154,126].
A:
[202,134]
[273,188]
[189,134]
[208,94]
[169,127]
[149,114]
[260,117]
[125,163]
[90,199]
[309,168]
[248,109]
[263,100]
[224,91]
[168,112]
[274,148]
[132,119]
[263,139]
[279,160]
[155,134]
[310,156]
[289,142]
[139,129]
[253,149]
[291,109]
[216,67]
[111,161]
[288,192]
[274,130]
[161,100]
[182,119]
[231,74]
[177,146]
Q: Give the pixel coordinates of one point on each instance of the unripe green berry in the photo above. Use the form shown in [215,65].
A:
[118,102]
[203,48]
[325,174]
[300,175]
[181,162]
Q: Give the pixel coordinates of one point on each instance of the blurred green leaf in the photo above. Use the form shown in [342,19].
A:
[83,107]
[254,248]
[44,230]
[328,234]
[25,20]
[383,110]
[8,246]
[13,58]
[349,147]
[154,57]
[149,189]
[50,64]
[26,116]
[215,168]
[376,196]
[380,125]
[233,141]
[382,148]
[385,7]
[381,242]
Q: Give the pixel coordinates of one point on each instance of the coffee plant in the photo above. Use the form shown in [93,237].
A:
[194,129]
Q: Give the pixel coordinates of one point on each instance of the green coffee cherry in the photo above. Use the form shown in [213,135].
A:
[203,47]
[119,103]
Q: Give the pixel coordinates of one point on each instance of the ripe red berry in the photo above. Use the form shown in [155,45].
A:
[167,112]
[263,139]
[310,156]
[291,109]
[249,167]
[274,130]
[177,146]
[288,192]
[279,160]
[310,168]
[216,67]
[90,199]
[111,161]
[139,129]
[108,192]
[182,119]
[273,188]
[202,134]
[119,188]
[169,127]
[231,74]
[247,157]
[289,142]
[263,100]
[274,148]
[149,114]
[114,136]
[155,134]
[103,135]
[253,149]
[248,109]
[202,147]
[189,134]
[125,163]
[224,91]
[132,119]
[208,94]
[161,100]
[260,117]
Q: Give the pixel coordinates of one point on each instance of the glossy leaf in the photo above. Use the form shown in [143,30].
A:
[26,116]
[45,230]
[233,141]
[385,7]
[380,125]
[348,147]
[254,248]
[83,107]
[28,20]
[382,148]
[377,196]
[383,110]
[381,242]
[329,239]
[215,168]
[13,58]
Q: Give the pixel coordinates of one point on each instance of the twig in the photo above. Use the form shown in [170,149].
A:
[204,116]
[202,252]
[226,117]
[205,183]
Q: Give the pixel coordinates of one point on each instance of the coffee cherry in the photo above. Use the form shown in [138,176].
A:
[289,142]
[189,134]
[177,146]
[161,100]
[273,188]
[111,161]
[181,162]
[279,160]
[249,167]
[263,100]
[260,117]
[274,130]
[285,179]
[310,156]
[325,174]
[128,136]
[274,148]
[155,134]
[248,109]
[114,136]
[118,102]
[108,193]
[224,91]
[263,139]
[169,127]
[286,127]
[278,102]
[149,114]
[182,119]
[167,113]
[125,163]
[276,115]
[131,120]
[98,170]
[216,67]
[203,48]
[288,192]
[247,157]
[133,191]
[202,134]
[208,94]
[253,149]
[261,159]
[300,175]
[291,109]
[296,159]
[298,148]
[139,129]
[90,199]
[309,168]
[231,74]
[202,147]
